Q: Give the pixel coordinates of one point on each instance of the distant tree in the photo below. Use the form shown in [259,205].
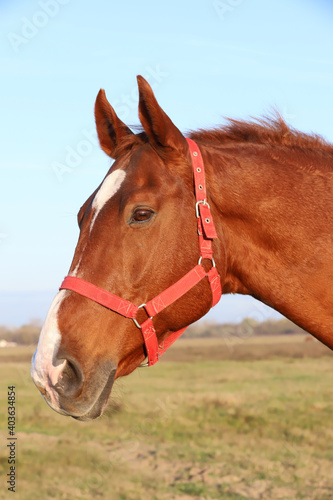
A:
[245,329]
[25,335]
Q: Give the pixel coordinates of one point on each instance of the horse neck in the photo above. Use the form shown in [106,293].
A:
[267,217]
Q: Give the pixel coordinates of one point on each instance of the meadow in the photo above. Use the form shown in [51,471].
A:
[213,420]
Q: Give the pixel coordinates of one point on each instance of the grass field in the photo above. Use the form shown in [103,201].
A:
[238,428]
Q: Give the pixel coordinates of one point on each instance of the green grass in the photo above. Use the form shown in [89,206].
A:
[234,430]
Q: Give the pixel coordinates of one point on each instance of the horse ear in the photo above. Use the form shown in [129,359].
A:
[160,130]
[110,129]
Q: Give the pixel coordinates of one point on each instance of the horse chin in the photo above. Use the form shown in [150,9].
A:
[100,404]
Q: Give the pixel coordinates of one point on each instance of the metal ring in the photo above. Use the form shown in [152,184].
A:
[211,259]
[195,153]
[198,169]
[136,321]
[143,365]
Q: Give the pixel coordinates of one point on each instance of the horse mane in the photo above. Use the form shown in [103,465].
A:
[269,130]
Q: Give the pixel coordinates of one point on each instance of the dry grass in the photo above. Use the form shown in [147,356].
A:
[252,348]
[238,430]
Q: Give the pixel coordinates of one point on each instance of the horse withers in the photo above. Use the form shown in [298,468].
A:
[263,208]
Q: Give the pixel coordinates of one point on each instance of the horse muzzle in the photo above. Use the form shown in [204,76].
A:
[68,391]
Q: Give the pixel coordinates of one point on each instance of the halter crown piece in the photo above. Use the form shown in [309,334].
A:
[206,232]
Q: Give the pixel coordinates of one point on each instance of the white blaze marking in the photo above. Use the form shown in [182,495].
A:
[75,270]
[109,188]
[43,371]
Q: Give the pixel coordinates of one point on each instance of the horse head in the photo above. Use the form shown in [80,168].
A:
[138,236]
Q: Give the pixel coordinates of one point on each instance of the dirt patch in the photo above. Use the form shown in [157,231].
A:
[215,480]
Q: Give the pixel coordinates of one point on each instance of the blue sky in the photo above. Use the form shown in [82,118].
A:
[204,59]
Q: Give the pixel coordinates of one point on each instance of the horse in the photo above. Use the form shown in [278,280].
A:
[264,216]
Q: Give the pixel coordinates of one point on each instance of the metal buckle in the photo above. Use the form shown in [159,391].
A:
[204,202]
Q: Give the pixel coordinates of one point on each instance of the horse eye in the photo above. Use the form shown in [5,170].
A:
[141,215]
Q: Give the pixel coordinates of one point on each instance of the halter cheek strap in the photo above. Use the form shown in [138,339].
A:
[206,232]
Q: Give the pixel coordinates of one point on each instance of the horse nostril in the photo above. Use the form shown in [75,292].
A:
[71,379]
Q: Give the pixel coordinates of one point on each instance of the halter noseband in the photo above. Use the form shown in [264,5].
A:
[206,232]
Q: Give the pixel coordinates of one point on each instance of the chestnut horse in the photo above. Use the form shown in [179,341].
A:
[270,192]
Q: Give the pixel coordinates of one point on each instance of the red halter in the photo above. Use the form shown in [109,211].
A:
[207,233]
